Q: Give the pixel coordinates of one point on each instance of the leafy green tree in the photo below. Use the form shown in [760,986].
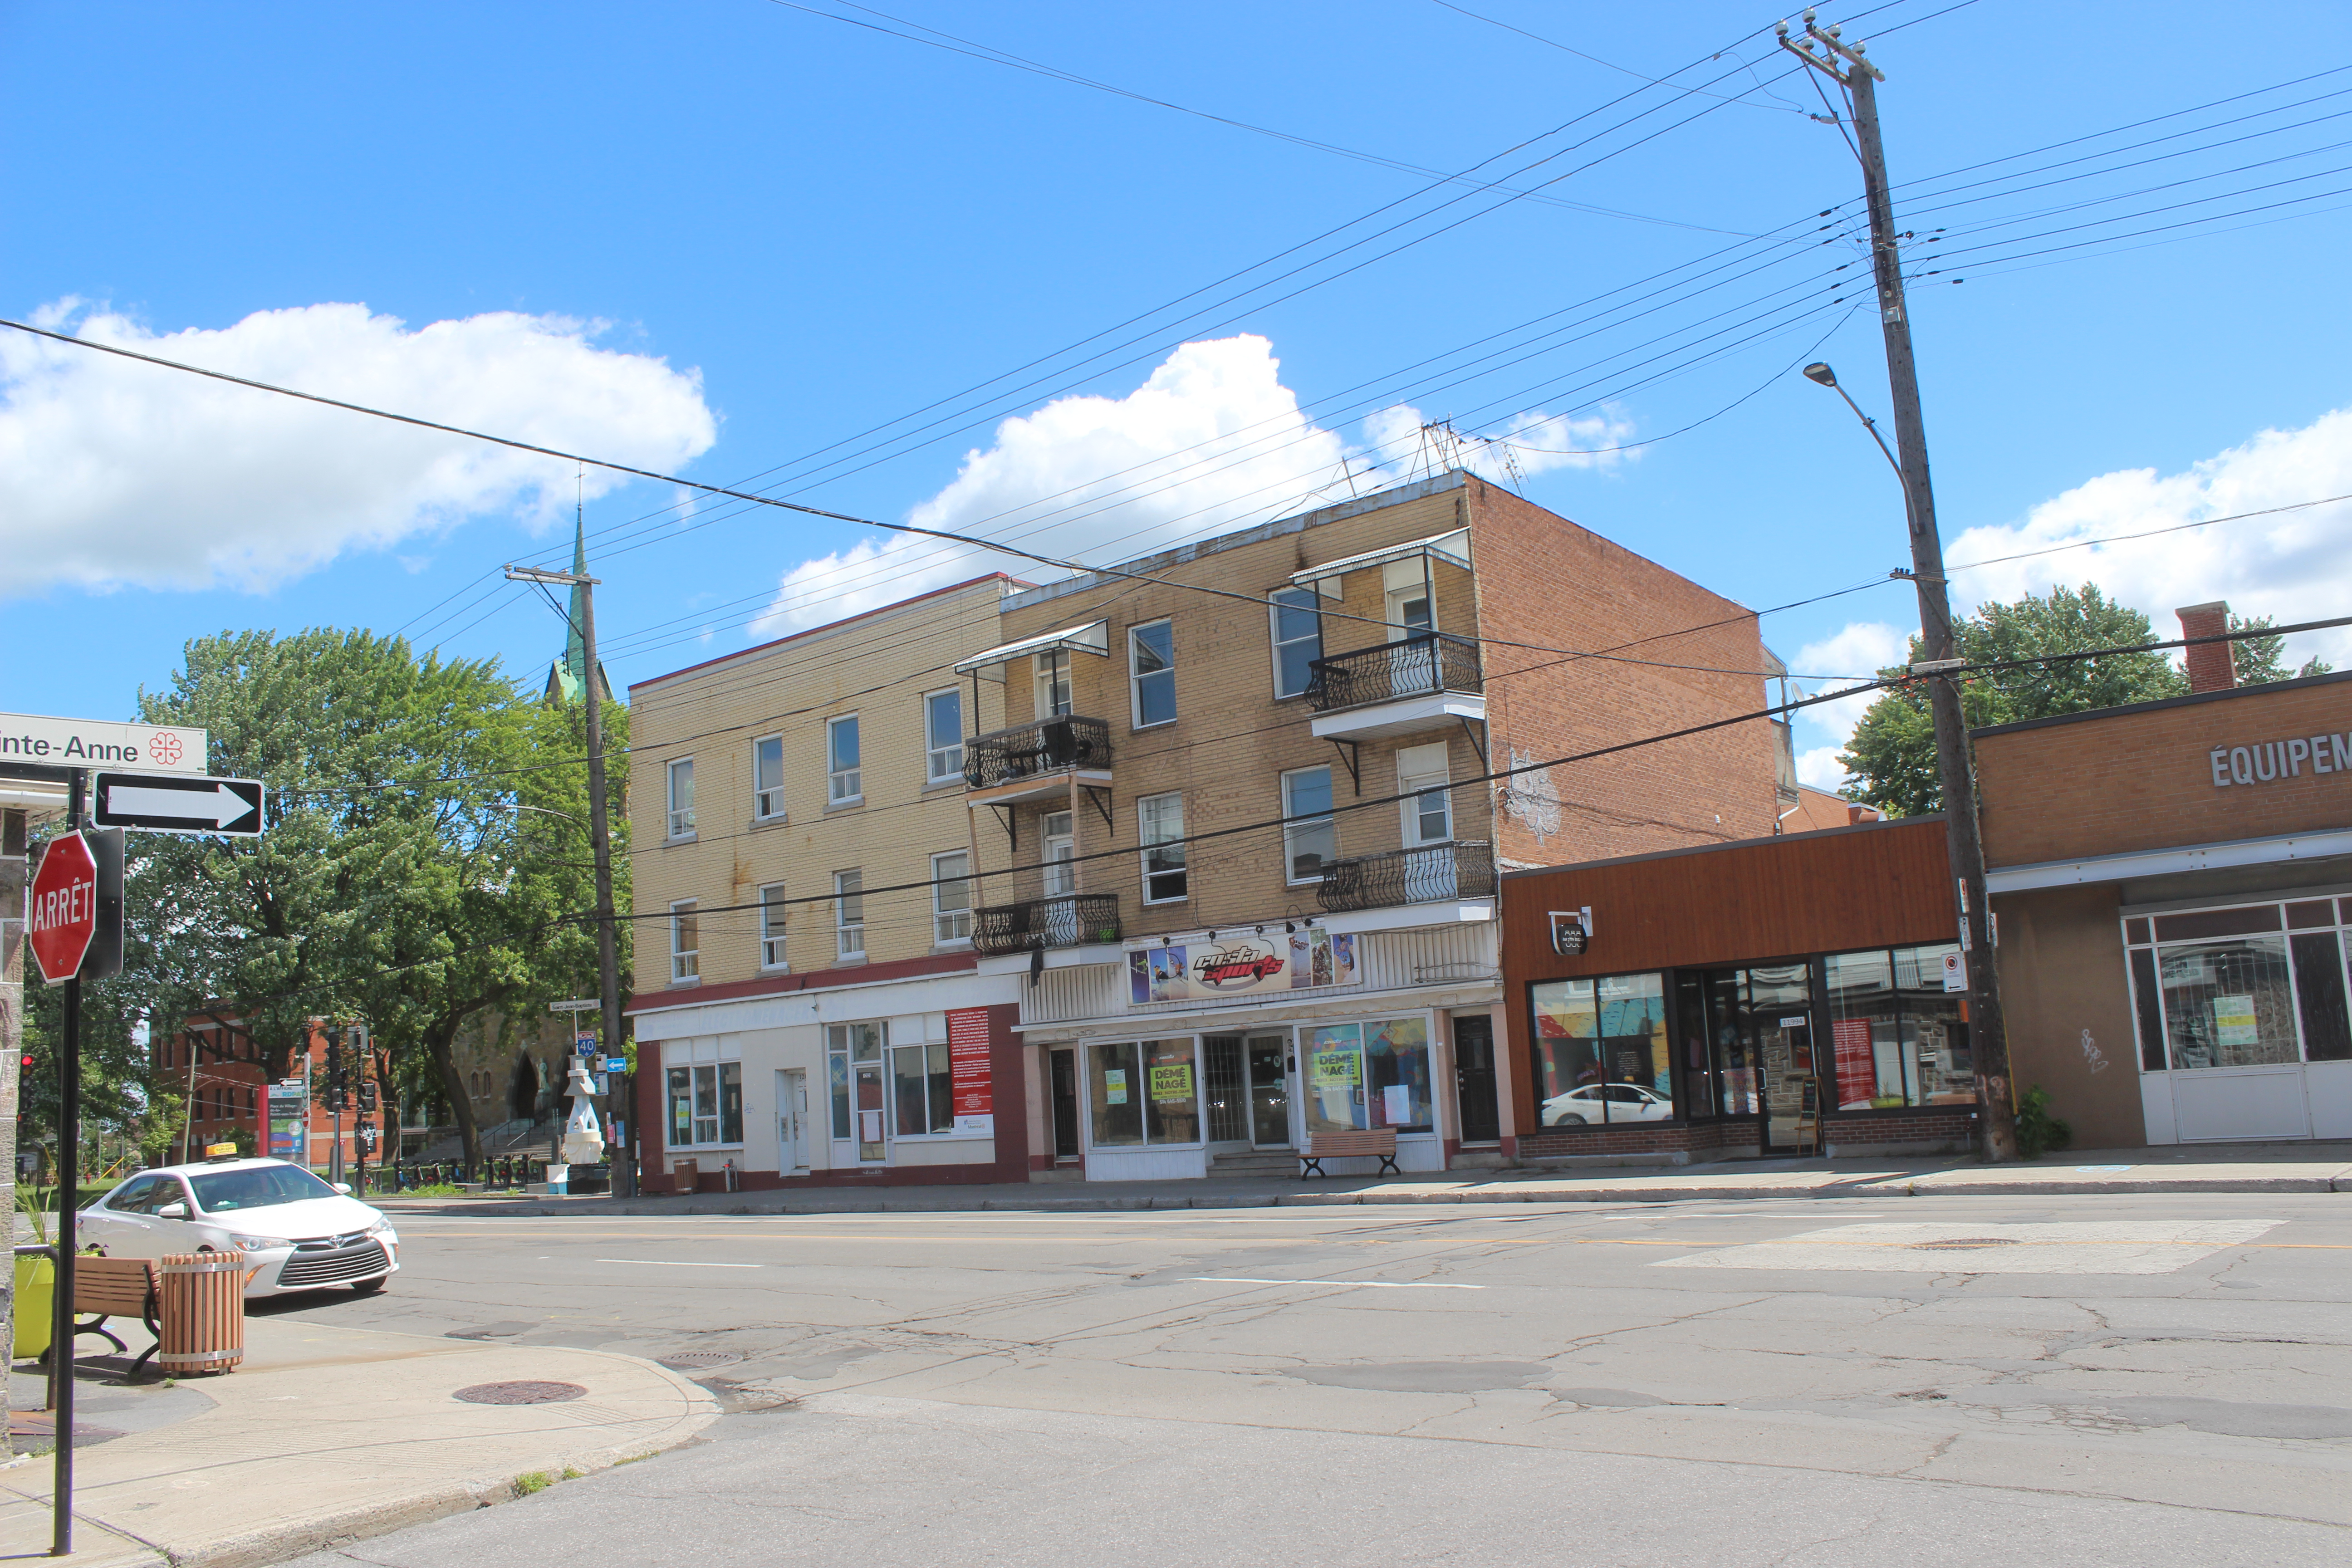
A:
[2260,660]
[1891,759]
[421,864]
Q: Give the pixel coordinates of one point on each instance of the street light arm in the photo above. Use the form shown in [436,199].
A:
[1872,426]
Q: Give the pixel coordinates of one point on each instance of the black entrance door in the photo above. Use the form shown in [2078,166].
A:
[1474,1080]
[1064,1078]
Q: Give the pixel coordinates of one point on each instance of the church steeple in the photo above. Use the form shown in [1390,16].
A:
[567,677]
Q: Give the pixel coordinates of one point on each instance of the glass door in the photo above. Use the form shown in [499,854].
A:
[1061,880]
[1270,1090]
[1780,1003]
[1474,1080]
[871,1114]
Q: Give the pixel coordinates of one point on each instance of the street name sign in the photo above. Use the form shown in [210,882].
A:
[166,802]
[586,1005]
[100,742]
[73,910]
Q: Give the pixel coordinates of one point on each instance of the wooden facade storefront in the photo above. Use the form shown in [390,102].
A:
[1718,982]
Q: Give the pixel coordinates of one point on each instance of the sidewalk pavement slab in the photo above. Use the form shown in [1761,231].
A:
[326,1435]
[2307,1167]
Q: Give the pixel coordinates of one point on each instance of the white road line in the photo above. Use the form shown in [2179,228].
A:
[674,1263]
[1368,1284]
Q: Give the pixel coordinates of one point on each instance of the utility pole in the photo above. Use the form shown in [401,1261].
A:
[1989,1039]
[608,974]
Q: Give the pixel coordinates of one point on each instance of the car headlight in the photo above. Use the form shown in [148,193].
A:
[383,1231]
[260,1243]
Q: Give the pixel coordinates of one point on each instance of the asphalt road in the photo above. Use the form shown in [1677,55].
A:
[2076,1379]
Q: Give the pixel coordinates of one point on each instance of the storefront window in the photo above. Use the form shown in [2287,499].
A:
[1117,1094]
[1144,1092]
[1600,1050]
[1369,1075]
[1172,1089]
[921,1090]
[2228,1004]
[862,1045]
[1897,1038]
[706,1105]
[1334,1072]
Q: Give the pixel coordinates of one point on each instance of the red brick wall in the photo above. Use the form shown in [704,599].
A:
[1546,581]
[1933,1127]
[2129,780]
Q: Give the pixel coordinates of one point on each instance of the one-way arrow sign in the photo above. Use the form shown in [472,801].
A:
[161,803]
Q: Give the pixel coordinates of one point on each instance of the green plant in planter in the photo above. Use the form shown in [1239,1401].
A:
[2037,1131]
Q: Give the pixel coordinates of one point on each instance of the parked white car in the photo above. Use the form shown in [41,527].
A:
[296,1232]
[1581,1106]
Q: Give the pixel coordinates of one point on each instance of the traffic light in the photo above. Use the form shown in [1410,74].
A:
[367,1097]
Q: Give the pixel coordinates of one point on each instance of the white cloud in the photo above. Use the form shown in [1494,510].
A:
[2292,567]
[1211,442]
[114,473]
[1539,443]
[1819,768]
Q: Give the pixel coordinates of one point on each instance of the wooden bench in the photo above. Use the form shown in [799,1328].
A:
[1379,1141]
[115,1288]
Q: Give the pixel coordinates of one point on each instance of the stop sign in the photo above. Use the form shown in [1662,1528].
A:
[76,901]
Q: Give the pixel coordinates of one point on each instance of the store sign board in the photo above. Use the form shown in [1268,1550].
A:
[971,1081]
[286,1107]
[2270,761]
[1250,965]
[92,742]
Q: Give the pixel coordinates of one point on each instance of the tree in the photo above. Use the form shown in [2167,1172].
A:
[2257,661]
[1891,759]
[407,874]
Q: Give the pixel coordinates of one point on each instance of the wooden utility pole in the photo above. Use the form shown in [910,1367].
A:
[1989,1041]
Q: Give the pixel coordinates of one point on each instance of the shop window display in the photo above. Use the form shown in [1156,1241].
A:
[1600,1050]
[1370,1075]
[1144,1092]
[2228,1004]
[1897,1038]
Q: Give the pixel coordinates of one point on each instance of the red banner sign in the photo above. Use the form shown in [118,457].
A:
[972,1084]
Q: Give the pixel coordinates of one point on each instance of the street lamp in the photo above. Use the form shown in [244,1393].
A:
[1823,375]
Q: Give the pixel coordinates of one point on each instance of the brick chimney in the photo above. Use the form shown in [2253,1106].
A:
[2212,666]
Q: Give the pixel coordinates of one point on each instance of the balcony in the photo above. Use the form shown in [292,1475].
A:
[1030,762]
[1396,688]
[1072,919]
[1434,875]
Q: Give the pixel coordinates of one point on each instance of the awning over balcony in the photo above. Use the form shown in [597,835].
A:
[1093,637]
[1454,549]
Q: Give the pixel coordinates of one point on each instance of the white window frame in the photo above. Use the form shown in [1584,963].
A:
[1154,836]
[685,963]
[1136,677]
[951,926]
[1061,876]
[848,933]
[1276,642]
[772,952]
[1290,828]
[844,787]
[698,1073]
[768,800]
[1413,787]
[942,764]
[681,817]
[1056,696]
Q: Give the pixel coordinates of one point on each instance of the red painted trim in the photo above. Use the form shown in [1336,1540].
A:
[637,685]
[815,980]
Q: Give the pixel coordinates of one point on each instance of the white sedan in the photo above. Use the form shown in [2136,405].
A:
[1581,1106]
[297,1232]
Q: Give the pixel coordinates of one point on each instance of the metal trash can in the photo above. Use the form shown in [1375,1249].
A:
[202,1312]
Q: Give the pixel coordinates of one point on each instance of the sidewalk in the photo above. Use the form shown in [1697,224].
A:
[327,1434]
[2212,1168]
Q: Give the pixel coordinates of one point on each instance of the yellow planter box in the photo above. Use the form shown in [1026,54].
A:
[37,1294]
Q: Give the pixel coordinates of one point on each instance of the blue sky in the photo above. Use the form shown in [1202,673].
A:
[782,230]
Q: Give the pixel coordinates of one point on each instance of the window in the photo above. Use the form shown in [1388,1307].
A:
[950,899]
[1428,808]
[1143,1092]
[854,1054]
[1151,658]
[772,926]
[767,778]
[1408,613]
[1363,1075]
[1309,844]
[1600,1049]
[1298,639]
[1896,1037]
[921,1096]
[684,942]
[681,798]
[849,912]
[842,775]
[706,1105]
[943,732]
[1053,684]
[1061,852]
[2228,1004]
[1161,819]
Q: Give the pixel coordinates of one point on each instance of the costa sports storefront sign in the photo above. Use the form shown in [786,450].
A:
[1247,965]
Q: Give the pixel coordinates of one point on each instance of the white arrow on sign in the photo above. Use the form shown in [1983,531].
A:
[152,803]
[223,805]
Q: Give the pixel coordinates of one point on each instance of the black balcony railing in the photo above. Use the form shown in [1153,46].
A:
[1462,871]
[1027,750]
[1073,920]
[1422,665]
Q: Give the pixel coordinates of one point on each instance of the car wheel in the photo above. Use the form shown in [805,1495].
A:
[370,1287]
[1570,1121]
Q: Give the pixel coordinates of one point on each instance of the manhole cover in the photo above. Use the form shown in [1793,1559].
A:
[694,1361]
[520,1392]
[1964,1243]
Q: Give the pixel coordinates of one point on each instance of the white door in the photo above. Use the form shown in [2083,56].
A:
[1428,822]
[1061,880]
[791,1117]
